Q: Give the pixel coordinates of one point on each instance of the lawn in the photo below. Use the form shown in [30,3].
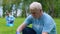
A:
[12,30]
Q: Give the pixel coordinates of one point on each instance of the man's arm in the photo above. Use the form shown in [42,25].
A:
[21,27]
[48,25]
[26,22]
[44,33]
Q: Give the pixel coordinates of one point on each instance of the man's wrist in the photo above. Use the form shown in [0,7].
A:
[17,32]
[44,33]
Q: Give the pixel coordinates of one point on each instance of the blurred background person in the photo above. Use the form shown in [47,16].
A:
[9,19]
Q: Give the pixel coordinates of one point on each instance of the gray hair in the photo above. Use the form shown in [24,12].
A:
[35,5]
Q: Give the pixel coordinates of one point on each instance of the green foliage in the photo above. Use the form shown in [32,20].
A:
[50,6]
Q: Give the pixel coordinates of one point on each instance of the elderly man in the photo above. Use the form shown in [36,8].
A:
[42,23]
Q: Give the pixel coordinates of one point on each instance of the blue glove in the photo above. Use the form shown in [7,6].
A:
[17,32]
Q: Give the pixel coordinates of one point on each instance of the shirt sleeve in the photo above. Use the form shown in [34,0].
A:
[28,20]
[48,25]
[6,18]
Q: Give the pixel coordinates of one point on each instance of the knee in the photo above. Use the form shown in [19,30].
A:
[28,30]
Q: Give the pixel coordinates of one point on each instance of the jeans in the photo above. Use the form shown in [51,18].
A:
[28,30]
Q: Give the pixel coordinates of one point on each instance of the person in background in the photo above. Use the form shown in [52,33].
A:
[9,19]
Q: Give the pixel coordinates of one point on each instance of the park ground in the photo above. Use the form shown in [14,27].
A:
[12,30]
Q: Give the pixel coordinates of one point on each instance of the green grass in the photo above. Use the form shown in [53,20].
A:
[9,30]
[57,20]
[12,30]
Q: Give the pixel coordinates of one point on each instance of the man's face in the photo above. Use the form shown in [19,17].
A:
[35,13]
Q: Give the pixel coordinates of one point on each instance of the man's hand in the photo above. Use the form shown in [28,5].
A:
[17,32]
[44,33]
[20,28]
